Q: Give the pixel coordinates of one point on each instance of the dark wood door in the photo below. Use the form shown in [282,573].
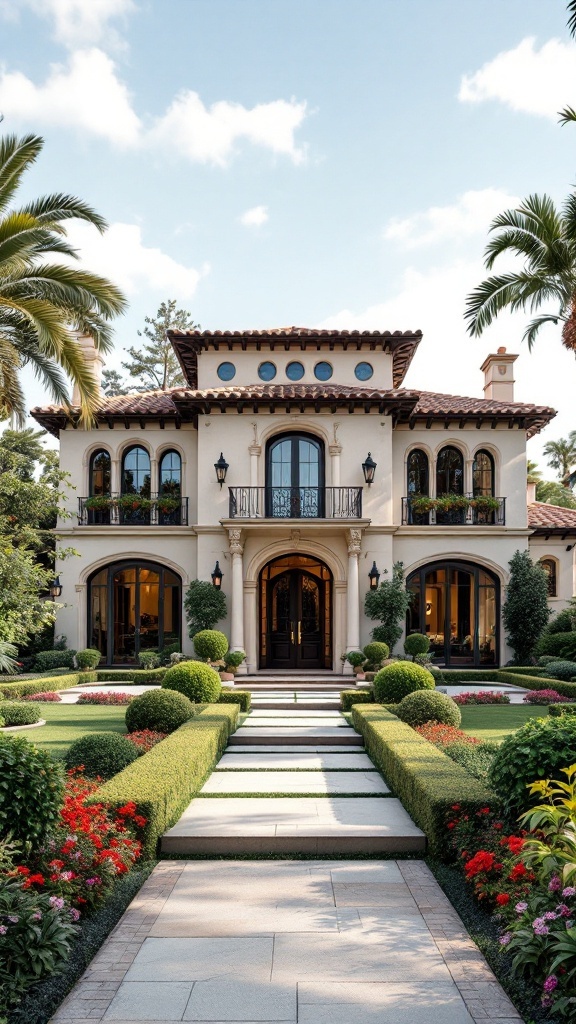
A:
[295,615]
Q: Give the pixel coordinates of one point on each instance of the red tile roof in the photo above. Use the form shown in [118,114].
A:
[546,518]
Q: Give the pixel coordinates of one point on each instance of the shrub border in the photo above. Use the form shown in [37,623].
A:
[47,684]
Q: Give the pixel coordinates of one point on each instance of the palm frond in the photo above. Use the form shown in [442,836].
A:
[16,155]
[534,327]
[566,115]
[48,372]
[521,242]
[51,210]
[70,286]
[512,291]
[571,6]
[12,402]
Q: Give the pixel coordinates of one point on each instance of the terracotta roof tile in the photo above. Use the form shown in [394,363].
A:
[542,516]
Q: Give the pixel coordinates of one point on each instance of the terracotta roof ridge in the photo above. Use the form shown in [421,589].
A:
[548,504]
[476,398]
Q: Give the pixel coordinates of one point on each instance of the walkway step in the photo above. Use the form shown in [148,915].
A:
[230,783]
[256,759]
[285,736]
[282,705]
[295,748]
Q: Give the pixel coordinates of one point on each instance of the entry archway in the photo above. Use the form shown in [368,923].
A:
[295,613]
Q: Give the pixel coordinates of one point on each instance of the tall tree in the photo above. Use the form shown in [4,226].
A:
[561,454]
[153,365]
[534,475]
[525,612]
[551,492]
[41,299]
[569,114]
[545,239]
[389,603]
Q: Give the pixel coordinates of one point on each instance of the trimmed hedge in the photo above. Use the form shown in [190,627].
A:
[537,683]
[241,697]
[162,782]
[20,713]
[426,781]
[400,678]
[158,710]
[470,675]
[350,697]
[138,676]
[528,670]
[428,706]
[557,710]
[45,661]
[47,683]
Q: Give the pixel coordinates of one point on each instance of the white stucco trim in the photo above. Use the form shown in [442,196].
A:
[281,548]
[126,556]
[459,556]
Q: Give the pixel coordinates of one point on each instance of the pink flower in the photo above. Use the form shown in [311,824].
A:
[521,907]
[74,914]
[505,939]
[562,910]
[554,884]
[37,916]
[551,983]
[550,915]
[539,927]
[569,891]
[56,902]
[3,929]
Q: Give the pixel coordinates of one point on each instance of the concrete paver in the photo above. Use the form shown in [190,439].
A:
[256,760]
[364,783]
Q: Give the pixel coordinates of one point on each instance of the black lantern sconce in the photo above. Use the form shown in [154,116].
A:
[221,468]
[369,468]
[374,577]
[55,588]
[217,576]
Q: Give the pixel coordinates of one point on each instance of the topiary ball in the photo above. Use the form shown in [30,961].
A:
[197,681]
[539,750]
[159,710]
[104,754]
[428,706]
[416,643]
[210,644]
[88,659]
[15,712]
[565,670]
[400,678]
[376,653]
[31,793]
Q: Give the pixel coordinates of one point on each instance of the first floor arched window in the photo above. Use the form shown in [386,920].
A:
[549,566]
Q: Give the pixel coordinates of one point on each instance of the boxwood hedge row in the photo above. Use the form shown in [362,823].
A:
[538,683]
[241,697]
[46,684]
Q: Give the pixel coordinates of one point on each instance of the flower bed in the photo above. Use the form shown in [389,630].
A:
[443,735]
[43,698]
[482,697]
[145,739]
[545,697]
[109,698]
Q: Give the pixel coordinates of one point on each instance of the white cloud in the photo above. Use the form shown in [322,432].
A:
[85,95]
[121,255]
[534,81]
[470,215]
[76,22]
[255,217]
[208,134]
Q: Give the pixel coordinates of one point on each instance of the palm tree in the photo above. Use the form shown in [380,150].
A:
[561,454]
[40,300]
[534,475]
[546,239]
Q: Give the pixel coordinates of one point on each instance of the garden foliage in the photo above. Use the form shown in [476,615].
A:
[20,713]
[210,644]
[416,643]
[540,749]
[525,611]
[428,706]
[100,754]
[197,681]
[400,678]
[31,790]
[205,605]
[159,710]
[388,604]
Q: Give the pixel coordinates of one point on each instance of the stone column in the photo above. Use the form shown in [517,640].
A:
[255,452]
[353,595]
[237,618]
[335,452]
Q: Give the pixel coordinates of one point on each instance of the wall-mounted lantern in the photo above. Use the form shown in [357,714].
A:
[221,468]
[55,588]
[374,577]
[217,576]
[369,468]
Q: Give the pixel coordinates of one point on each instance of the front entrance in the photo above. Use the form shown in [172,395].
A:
[295,614]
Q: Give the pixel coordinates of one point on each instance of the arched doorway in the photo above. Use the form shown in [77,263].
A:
[133,606]
[295,477]
[457,606]
[296,613]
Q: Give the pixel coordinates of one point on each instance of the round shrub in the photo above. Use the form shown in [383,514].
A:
[210,644]
[546,659]
[158,710]
[103,753]
[539,750]
[232,659]
[376,653]
[416,643]
[428,706]
[88,659]
[32,790]
[356,658]
[15,712]
[199,682]
[565,670]
[400,678]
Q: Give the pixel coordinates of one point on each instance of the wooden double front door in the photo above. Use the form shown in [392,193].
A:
[296,615]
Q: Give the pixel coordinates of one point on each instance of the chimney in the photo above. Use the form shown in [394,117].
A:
[498,373]
[530,493]
[92,358]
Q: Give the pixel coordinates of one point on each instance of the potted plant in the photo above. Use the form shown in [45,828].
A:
[422,504]
[232,659]
[357,659]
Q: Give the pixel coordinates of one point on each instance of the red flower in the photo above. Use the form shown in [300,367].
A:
[518,871]
[502,899]
[451,824]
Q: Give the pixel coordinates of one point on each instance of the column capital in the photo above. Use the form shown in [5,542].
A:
[235,542]
[335,449]
[255,449]
[354,538]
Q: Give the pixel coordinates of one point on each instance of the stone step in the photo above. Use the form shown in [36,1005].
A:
[230,783]
[270,736]
[282,705]
[286,747]
[257,760]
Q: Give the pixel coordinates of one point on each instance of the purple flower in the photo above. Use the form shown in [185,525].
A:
[505,939]
[546,1001]
[3,929]
[74,914]
[569,924]
[521,907]
[56,902]
[90,881]
[539,927]
[37,916]
[13,919]
[562,910]
[66,876]
[550,915]
[569,891]
[551,983]
[554,884]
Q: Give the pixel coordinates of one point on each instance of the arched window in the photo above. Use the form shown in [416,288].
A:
[417,472]
[549,566]
[295,477]
[483,475]
[99,474]
[136,472]
[449,471]
[170,474]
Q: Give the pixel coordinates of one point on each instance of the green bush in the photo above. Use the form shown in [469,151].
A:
[103,754]
[2,722]
[162,782]
[88,659]
[563,622]
[210,644]
[350,697]
[546,659]
[416,643]
[561,709]
[539,750]
[45,683]
[31,790]
[376,653]
[232,659]
[17,713]
[241,697]
[525,611]
[149,659]
[426,781]
[45,661]
[565,670]
[205,605]
[355,658]
[477,759]
[428,706]
[159,710]
[395,681]
[137,676]
[559,645]
[467,675]
[197,681]
[537,683]
[437,675]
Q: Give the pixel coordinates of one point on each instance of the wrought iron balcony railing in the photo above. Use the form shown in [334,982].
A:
[453,510]
[132,510]
[295,502]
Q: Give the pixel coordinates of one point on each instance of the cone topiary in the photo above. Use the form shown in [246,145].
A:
[210,644]
[197,681]
[395,681]
[428,706]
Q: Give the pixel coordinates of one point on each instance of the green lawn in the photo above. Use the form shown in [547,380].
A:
[67,722]
[495,721]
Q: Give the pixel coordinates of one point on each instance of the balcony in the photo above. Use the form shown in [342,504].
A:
[295,502]
[453,510]
[132,510]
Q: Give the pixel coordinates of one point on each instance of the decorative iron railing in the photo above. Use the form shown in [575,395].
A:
[295,502]
[132,510]
[453,510]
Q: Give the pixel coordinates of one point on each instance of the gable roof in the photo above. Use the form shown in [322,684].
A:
[551,520]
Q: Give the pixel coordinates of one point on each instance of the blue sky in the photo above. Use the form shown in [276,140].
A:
[333,163]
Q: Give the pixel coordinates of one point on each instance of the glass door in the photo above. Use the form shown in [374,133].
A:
[456,606]
[295,480]
[295,614]
[142,603]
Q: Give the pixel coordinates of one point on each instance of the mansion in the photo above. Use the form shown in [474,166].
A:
[293,470]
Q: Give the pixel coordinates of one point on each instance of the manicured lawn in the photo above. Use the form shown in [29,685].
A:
[494,722]
[67,722]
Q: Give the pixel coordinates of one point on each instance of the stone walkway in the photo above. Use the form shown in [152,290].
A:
[281,940]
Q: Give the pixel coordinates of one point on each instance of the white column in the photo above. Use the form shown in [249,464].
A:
[255,451]
[237,627]
[335,452]
[353,595]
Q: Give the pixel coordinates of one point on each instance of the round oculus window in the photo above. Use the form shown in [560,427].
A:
[226,371]
[323,371]
[364,371]
[295,371]
[266,371]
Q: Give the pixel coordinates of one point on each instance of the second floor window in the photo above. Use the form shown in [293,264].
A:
[417,472]
[99,480]
[136,472]
[170,474]
[549,566]
[295,476]
[483,475]
[449,471]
